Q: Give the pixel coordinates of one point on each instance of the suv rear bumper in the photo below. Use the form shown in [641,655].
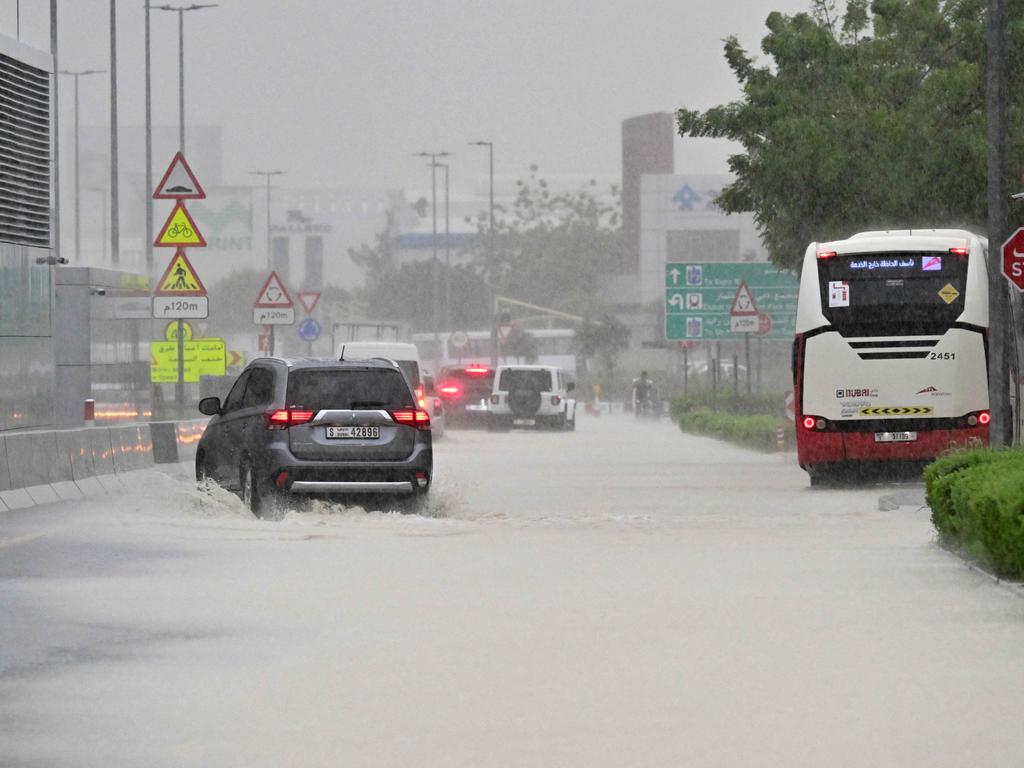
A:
[289,474]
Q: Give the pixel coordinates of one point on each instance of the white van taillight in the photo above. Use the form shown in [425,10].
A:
[962,252]
[287,417]
[822,255]
[414,418]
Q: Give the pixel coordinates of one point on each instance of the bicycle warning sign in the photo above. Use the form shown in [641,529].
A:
[180,231]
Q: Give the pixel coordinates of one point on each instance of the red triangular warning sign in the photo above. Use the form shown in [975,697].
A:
[180,278]
[308,300]
[273,294]
[743,304]
[179,183]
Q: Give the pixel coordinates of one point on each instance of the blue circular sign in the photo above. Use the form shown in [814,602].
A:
[309,329]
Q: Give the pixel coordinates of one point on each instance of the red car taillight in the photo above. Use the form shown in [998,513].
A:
[414,418]
[287,417]
[451,390]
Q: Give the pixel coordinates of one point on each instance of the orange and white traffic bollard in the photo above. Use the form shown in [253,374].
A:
[780,439]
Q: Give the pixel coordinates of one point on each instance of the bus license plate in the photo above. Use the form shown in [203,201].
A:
[353,433]
[895,437]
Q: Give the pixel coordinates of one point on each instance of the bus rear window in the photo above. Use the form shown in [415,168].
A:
[892,294]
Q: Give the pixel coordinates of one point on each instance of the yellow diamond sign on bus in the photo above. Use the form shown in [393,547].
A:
[948,293]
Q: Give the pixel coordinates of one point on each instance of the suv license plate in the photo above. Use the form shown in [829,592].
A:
[895,437]
[524,422]
[353,433]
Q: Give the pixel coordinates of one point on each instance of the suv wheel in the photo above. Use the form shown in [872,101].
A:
[255,495]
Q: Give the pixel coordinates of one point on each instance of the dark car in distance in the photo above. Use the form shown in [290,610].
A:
[316,428]
[465,390]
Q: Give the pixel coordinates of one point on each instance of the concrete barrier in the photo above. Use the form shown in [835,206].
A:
[43,467]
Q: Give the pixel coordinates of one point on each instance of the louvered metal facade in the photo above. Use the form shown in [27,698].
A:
[25,170]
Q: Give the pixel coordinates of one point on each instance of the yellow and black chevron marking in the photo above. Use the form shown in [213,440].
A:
[897,410]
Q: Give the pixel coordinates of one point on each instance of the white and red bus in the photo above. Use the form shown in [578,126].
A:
[890,356]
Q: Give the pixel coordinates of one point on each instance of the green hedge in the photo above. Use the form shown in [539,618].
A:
[757,431]
[977,502]
[723,400]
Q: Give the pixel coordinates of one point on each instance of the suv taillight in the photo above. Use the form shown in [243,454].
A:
[414,418]
[421,396]
[283,418]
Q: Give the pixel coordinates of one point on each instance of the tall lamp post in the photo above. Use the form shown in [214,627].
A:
[447,254]
[181,10]
[78,188]
[433,208]
[491,254]
[267,175]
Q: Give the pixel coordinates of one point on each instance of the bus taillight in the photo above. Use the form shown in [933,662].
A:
[984,418]
[822,255]
[815,423]
[960,251]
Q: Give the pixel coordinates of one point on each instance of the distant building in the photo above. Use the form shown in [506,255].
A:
[647,148]
[26,277]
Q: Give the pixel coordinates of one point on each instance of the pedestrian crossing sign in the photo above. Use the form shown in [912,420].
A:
[180,230]
[180,279]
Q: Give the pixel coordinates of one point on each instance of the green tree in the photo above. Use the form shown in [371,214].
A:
[604,340]
[552,249]
[868,119]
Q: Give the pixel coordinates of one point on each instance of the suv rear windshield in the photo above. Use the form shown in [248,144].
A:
[348,389]
[892,294]
[517,378]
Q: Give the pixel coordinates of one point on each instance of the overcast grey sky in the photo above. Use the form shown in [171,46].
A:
[342,93]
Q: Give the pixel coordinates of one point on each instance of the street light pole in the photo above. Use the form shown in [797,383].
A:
[267,175]
[995,97]
[78,187]
[491,267]
[181,10]
[435,276]
[148,243]
[115,234]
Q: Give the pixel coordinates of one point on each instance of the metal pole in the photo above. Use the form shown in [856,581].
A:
[115,234]
[735,376]
[55,212]
[78,186]
[181,80]
[434,277]
[686,370]
[746,345]
[269,260]
[447,257]
[148,244]
[995,98]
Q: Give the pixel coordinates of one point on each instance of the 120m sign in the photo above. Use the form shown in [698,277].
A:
[181,307]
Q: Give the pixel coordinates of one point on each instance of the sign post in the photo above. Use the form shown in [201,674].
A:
[180,293]
[273,306]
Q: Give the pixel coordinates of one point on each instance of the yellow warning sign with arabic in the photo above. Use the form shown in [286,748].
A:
[180,230]
[897,410]
[180,279]
[949,294]
[203,357]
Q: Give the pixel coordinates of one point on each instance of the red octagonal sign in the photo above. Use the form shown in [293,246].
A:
[1013,259]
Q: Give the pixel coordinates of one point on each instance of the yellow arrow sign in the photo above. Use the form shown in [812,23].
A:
[180,230]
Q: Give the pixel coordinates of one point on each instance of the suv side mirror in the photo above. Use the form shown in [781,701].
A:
[210,406]
[570,387]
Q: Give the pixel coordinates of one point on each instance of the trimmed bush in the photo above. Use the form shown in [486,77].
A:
[723,400]
[977,502]
[758,431]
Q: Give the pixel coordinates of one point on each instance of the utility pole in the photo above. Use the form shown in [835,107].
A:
[115,234]
[267,175]
[447,254]
[55,122]
[148,244]
[435,271]
[78,186]
[491,256]
[995,104]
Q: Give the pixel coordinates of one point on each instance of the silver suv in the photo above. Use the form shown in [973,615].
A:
[316,427]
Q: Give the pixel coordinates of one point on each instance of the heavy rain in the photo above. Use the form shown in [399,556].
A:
[532,384]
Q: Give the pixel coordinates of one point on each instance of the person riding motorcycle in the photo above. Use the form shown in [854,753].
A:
[644,394]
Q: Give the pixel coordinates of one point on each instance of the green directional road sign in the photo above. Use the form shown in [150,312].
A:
[699,298]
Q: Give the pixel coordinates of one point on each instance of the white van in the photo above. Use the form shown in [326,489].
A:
[408,358]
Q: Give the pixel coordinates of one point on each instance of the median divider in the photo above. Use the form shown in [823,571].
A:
[47,466]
